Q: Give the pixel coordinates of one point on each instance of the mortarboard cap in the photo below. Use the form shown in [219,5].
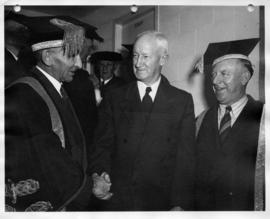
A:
[50,32]
[106,56]
[90,31]
[217,52]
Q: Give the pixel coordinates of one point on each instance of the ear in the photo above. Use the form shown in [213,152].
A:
[163,59]
[245,77]
[116,66]
[46,57]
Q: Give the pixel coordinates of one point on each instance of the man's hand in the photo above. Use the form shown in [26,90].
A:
[102,185]
[93,78]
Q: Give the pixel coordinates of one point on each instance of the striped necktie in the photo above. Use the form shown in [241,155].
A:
[225,125]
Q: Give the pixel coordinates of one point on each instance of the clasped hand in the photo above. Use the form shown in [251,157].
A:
[101,186]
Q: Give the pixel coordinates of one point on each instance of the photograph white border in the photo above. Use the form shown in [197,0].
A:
[136,215]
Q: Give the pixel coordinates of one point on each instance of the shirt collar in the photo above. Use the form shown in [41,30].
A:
[238,104]
[54,82]
[154,87]
[15,57]
[107,80]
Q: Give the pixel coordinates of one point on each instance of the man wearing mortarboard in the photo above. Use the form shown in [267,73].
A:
[45,154]
[230,140]
[106,65]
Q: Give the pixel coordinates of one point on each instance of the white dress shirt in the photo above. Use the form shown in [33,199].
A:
[106,81]
[54,82]
[15,57]
[142,87]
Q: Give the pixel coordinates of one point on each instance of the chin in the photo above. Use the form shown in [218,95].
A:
[220,99]
[140,76]
[69,79]
[223,101]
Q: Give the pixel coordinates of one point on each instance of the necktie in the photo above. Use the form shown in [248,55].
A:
[102,84]
[68,115]
[63,93]
[225,125]
[147,100]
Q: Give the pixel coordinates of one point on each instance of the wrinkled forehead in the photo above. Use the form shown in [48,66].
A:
[146,44]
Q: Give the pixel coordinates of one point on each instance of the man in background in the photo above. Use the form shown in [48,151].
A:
[16,38]
[106,64]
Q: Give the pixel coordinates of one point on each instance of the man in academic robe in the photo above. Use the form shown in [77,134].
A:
[45,151]
[227,141]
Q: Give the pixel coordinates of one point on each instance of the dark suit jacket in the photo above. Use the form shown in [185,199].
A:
[34,151]
[225,174]
[114,83]
[13,70]
[150,161]
[81,93]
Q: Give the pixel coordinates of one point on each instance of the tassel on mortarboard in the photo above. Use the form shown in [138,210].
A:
[73,36]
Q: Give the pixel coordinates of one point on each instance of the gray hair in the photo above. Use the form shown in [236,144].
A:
[248,65]
[160,38]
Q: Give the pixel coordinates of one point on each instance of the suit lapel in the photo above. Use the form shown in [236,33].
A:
[241,118]
[163,105]
[56,98]
[237,128]
[77,139]
[130,105]
[214,126]
[110,83]
[164,100]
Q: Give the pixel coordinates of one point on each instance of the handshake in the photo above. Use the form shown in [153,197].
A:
[101,186]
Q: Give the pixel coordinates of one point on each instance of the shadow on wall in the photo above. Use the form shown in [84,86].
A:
[197,68]
[126,67]
[208,89]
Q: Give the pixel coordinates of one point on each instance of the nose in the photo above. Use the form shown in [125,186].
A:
[103,68]
[216,79]
[138,61]
[78,61]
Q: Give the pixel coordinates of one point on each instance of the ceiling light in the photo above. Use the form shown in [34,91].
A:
[17,8]
[133,9]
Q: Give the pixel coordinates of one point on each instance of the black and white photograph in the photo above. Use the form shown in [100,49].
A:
[140,109]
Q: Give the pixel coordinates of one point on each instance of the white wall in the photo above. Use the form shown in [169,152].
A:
[191,28]
[104,19]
